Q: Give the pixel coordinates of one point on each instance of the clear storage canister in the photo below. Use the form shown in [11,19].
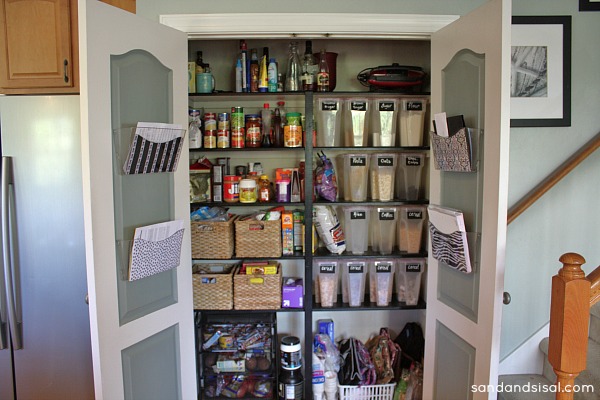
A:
[356,229]
[329,119]
[356,122]
[412,121]
[354,273]
[384,229]
[408,177]
[383,123]
[408,279]
[355,176]
[327,278]
[381,281]
[410,228]
[383,172]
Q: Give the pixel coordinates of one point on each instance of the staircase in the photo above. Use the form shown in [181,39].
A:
[591,375]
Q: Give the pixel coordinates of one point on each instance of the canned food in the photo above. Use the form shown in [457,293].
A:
[223,121]
[210,121]
[253,131]
[237,138]
[292,131]
[237,117]
[222,139]
[210,139]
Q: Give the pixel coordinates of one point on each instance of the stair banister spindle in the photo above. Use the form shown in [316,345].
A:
[569,318]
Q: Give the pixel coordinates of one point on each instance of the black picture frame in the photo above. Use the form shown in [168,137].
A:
[589,5]
[552,46]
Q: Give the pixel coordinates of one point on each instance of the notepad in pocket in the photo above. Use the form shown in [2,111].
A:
[448,237]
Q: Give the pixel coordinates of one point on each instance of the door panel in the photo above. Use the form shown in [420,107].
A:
[470,75]
[142,331]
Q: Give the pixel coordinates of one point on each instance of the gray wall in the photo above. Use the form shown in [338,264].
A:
[565,219]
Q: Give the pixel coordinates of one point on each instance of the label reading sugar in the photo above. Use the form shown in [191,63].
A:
[414,106]
[386,106]
[329,106]
[356,268]
[383,267]
[413,267]
[387,215]
[412,161]
[358,215]
[414,214]
[358,161]
[327,268]
[385,161]
[358,106]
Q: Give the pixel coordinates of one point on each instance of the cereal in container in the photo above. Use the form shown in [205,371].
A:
[354,273]
[408,280]
[381,281]
[327,278]
[410,228]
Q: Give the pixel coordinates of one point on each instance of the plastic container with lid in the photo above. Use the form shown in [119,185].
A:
[247,189]
[412,121]
[329,119]
[356,122]
[356,228]
[410,228]
[354,274]
[408,279]
[384,229]
[292,131]
[408,176]
[327,278]
[355,176]
[283,192]
[381,281]
[383,122]
[383,172]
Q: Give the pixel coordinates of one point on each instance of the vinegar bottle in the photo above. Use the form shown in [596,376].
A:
[323,75]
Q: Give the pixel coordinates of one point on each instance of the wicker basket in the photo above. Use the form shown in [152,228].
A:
[367,392]
[257,292]
[213,286]
[212,240]
[257,239]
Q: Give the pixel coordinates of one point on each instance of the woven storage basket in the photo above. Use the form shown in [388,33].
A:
[257,292]
[212,240]
[213,286]
[257,239]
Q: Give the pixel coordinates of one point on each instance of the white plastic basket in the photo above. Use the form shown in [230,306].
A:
[368,392]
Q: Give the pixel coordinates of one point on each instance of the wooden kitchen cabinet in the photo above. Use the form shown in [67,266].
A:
[39,40]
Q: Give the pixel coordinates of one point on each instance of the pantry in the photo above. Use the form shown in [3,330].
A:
[140,316]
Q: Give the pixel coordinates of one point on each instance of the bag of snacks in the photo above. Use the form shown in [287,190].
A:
[326,182]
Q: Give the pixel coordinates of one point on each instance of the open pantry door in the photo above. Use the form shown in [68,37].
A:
[134,70]
[470,75]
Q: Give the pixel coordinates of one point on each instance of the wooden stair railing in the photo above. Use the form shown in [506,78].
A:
[572,296]
[553,178]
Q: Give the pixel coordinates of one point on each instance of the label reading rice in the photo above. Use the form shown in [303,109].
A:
[358,215]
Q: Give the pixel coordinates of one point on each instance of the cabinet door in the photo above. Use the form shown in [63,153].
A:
[470,75]
[39,39]
[142,331]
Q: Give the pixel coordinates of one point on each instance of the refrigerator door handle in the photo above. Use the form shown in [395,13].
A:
[7,181]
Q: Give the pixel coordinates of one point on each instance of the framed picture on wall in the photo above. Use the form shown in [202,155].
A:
[589,5]
[540,84]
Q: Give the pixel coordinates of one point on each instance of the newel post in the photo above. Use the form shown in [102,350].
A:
[569,318]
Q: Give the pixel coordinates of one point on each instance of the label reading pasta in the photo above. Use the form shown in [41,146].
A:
[358,161]
[413,267]
[327,268]
[414,214]
[384,267]
[386,106]
[356,268]
[413,161]
[329,106]
[358,106]
[385,161]
[358,215]
[387,215]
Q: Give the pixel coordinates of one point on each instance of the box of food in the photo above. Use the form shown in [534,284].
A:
[287,233]
[292,293]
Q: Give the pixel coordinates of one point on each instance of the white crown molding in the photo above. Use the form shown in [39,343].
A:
[310,26]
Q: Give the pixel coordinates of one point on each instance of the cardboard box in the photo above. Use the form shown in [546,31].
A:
[260,267]
[325,326]
[287,233]
[298,230]
[292,293]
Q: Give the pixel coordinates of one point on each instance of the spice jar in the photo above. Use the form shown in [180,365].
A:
[248,191]
[231,189]
[292,131]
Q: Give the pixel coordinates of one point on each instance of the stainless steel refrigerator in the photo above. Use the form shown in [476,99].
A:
[45,349]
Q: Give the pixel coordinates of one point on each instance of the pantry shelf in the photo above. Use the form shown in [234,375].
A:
[371,148]
[324,253]
[394,202]
[393,305]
